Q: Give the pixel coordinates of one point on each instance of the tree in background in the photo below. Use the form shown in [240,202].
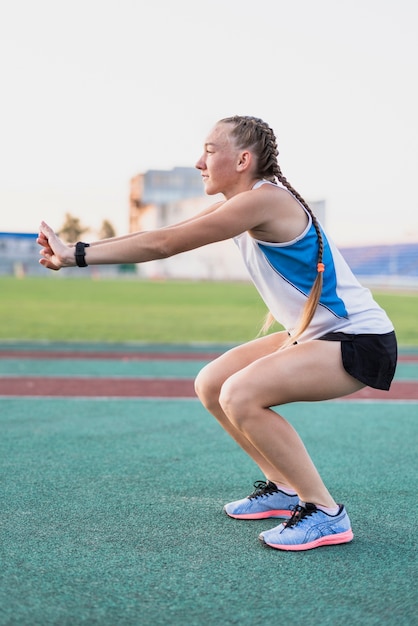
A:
[72,230]
[106,230]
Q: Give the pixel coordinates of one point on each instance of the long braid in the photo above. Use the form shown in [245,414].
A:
[316,290]
[255,133]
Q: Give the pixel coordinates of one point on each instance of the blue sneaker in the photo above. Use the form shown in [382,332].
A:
[309,528]
[265,501]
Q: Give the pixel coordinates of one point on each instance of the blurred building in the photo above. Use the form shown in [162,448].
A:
[19,254]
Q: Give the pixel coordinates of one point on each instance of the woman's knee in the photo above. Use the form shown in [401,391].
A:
[207,386]
[235,400]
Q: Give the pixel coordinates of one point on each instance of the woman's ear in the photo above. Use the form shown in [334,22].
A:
[244,161]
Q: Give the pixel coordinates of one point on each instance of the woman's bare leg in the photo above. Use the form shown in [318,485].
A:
[209,383]
[310,371]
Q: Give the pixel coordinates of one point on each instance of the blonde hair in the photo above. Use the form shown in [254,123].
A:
[254,133]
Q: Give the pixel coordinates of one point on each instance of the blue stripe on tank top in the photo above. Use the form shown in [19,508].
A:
[296,263]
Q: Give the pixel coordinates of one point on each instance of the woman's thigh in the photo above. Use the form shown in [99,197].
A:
[308,371]
[216,372]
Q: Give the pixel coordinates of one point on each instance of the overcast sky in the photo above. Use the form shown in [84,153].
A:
[96,91]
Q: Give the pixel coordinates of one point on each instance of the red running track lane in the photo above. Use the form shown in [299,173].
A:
[97,387]
[153,388]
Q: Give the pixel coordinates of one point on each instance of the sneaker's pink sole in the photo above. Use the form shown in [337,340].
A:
[328,540]
[275,513]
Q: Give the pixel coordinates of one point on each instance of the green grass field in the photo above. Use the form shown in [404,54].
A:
[122,310]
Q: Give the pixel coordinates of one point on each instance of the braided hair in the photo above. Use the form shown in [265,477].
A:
[254,133]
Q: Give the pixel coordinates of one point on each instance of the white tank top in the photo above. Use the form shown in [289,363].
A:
[284,273]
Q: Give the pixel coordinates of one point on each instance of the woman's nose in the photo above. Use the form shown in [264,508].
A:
[200,165]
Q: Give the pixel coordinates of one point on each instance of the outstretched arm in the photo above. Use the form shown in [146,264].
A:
[55,254]
[206,211]
[222,221]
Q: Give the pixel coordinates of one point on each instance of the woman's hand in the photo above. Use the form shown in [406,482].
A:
[55,254]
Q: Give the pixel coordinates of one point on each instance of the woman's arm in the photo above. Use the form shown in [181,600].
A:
[130,235]
[221,221]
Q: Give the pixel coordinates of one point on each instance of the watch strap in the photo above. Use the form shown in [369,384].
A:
[80,253]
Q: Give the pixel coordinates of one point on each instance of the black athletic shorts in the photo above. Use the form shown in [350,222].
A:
[369,358]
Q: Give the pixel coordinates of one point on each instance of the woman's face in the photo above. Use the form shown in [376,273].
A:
[218,163]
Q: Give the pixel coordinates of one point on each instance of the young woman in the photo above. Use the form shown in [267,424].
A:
[336,338]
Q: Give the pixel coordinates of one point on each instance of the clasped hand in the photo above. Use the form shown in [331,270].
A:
[55,254]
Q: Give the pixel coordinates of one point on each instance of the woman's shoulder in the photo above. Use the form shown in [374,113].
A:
[277,197]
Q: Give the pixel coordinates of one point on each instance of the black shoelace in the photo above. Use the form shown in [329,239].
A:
[299,512]
[262,488]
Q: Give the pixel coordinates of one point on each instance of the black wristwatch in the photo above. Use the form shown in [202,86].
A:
[80,253]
